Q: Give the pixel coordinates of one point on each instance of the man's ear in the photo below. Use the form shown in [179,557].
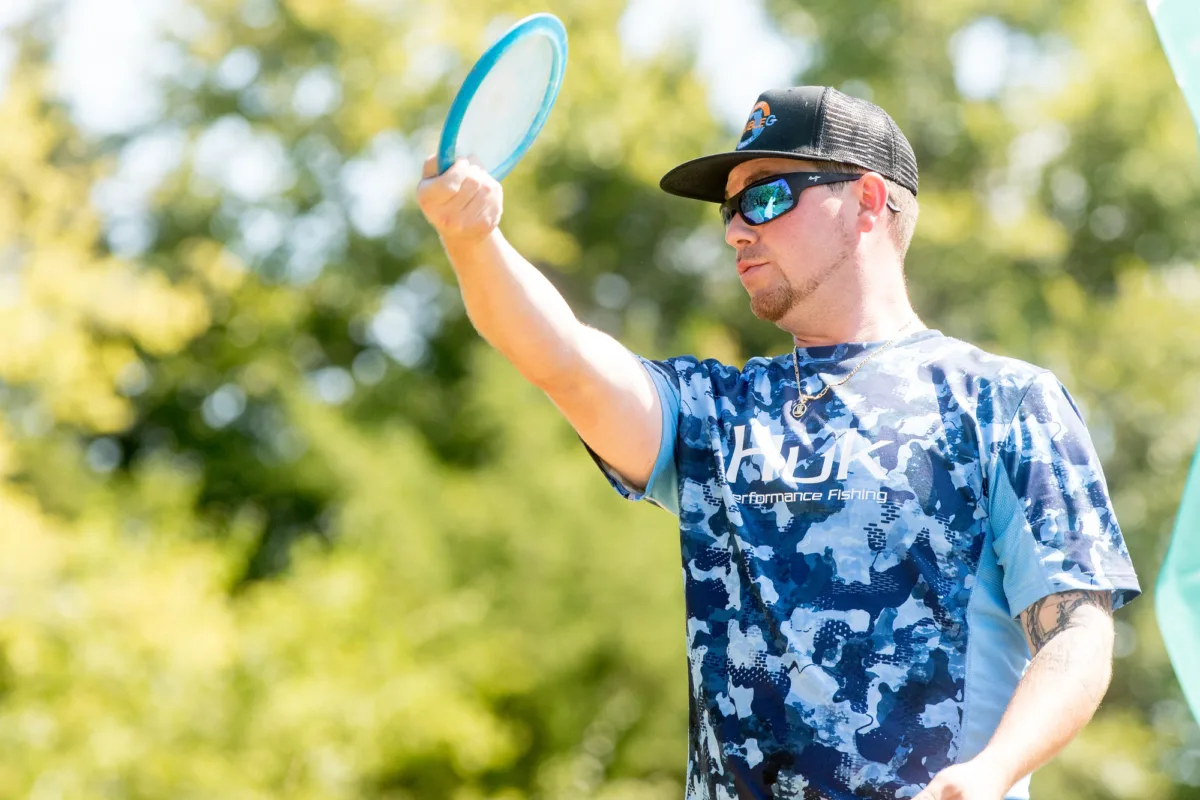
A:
[872,193]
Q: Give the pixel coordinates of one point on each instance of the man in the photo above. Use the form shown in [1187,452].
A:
[900,557]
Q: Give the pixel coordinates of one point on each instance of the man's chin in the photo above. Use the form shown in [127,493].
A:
[771,305]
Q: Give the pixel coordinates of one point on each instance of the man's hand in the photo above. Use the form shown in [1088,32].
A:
[463,204]
[971,780]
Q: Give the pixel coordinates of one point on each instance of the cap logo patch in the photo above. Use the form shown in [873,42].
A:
[761,118]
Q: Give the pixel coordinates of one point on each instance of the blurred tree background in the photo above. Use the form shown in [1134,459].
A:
[277,524]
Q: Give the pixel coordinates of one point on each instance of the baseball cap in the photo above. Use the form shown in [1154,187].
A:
[813,123]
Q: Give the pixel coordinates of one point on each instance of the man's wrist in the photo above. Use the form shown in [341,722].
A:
[1000,769]
[465,248]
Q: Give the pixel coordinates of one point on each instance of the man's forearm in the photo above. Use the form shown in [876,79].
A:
[596,383]
[1056,697]
[516,309]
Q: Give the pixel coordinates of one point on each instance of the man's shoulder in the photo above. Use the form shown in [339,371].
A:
[948,358]
[971,381]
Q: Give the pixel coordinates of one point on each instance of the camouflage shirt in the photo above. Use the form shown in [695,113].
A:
[853,578]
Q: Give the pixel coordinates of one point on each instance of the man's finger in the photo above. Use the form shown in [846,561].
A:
[436,190]
[469,185]
[481,209]
[453,178]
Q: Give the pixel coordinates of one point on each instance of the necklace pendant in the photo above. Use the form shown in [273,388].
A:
[799,408]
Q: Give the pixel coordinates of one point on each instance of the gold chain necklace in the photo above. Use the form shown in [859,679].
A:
[803,401]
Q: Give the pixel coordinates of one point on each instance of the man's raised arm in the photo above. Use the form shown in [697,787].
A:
[597,384]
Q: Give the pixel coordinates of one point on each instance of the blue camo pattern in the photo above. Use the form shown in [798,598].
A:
[828,562]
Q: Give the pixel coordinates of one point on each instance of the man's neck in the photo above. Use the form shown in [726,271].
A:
[866,328]
[859,309]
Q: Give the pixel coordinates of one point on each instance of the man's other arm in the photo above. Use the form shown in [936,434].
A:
[1070,635]
[596,383]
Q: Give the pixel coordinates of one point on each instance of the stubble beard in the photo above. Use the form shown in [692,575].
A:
[772,305]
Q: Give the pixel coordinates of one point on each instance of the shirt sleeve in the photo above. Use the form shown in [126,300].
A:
[663,487]
[1053,524]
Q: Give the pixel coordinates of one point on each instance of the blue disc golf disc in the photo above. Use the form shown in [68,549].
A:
[506,97]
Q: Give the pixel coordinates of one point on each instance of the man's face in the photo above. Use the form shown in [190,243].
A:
[783,262]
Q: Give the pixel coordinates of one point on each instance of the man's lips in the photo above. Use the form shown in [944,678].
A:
[745,266]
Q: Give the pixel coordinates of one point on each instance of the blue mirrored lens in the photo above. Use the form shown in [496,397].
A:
[766,202]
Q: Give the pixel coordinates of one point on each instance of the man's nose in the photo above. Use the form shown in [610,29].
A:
[738,234]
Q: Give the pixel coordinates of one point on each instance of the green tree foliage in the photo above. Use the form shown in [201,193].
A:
[277,524]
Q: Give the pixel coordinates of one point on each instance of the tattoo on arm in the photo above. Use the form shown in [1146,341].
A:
[1055,613]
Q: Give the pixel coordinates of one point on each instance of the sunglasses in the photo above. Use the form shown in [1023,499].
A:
[771,198]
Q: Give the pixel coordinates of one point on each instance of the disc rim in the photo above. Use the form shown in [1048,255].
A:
[542,24]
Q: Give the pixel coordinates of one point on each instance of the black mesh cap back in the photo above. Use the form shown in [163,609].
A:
[810,123]
[861,133]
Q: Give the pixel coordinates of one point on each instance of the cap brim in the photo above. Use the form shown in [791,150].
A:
[704,178]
